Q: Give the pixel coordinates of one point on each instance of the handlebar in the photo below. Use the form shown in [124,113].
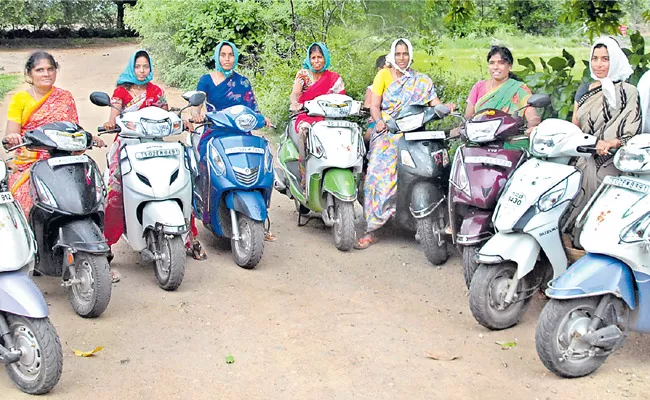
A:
[592,150]
[103,131]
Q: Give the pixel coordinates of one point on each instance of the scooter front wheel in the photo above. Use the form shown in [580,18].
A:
[41,362]
[487,293]
[558,337]
[343,229]
[469,262]
[170,267]
[247,251]
[90,295]
[434,249]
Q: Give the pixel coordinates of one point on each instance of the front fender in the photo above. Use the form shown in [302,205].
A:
[249,203]
[340,183]
[425,199]
[594,275]
[521,248]
[476,227]
[167,213]
[19,295]
[83,235]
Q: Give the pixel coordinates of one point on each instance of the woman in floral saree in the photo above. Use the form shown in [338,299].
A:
[607,108]
[393,89]
[40,104]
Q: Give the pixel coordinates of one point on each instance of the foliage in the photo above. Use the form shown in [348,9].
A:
[534,16]
[56,13]
[459,18]
[637,57]
[8,82]
[597,16]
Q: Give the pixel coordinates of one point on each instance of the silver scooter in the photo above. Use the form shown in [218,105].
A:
[29,345]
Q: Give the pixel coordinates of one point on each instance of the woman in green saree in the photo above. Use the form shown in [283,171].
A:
[502,91]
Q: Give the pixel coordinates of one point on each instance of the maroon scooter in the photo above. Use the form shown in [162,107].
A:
[480,170]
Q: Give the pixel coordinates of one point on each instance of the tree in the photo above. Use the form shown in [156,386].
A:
[597,16]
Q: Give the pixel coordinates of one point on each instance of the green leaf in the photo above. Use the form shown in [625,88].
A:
[571,61]
[506,345]
[557,63]
[526,63]
[230,359]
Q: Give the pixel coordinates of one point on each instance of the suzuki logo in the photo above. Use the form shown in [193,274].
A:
[247,171]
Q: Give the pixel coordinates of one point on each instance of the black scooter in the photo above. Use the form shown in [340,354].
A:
[422,178]
[68,215]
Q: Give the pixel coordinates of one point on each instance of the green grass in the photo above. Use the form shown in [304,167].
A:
[466,57]
[8,82]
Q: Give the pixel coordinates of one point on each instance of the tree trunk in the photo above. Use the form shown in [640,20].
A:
[120,16]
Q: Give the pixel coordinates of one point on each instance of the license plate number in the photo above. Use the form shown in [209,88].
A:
[627,184]
[488,160]
[425,135]
[157,153]
[58,161]
[516,198]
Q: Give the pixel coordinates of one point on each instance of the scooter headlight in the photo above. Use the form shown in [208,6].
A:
[44,193]
[458,176]
[637,231]
[631,159]
[481,132]
[406,159]
[552,197]
[217,161]
[68,141]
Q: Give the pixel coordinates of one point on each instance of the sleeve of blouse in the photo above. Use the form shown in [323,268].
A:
[15,110]
[162,97]
[119,97]
[72,111]
[203,84]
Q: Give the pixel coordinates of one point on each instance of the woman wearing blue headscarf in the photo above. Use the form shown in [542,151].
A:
[224,87]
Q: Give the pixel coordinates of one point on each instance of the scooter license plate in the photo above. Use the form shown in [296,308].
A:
[58,161]
[488,160]
[425,135]
[515,199]
[141,155]
[627,184]
[6,197]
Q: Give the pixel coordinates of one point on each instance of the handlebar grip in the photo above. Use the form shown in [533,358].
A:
[101,129]
[586,149]
[4,141]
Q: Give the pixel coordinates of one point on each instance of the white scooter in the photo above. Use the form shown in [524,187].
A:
[606,293]
[156,187]
[29,345]
[333,165]
[514,263]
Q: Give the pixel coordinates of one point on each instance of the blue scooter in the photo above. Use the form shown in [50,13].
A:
[606,293]
[234,180]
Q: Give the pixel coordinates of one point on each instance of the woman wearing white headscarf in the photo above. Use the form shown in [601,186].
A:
[393,88]
[607,108]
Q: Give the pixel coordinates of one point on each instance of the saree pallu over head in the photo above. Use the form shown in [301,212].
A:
[329,82]
[507,97]
[411,89]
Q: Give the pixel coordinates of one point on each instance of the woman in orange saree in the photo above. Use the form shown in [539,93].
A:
[40,104]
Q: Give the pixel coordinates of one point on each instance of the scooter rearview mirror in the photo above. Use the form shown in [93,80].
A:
[100,99]
[197,99]
[539,100]
[442,110]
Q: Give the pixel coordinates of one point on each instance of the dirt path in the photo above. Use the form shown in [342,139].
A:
[309,323]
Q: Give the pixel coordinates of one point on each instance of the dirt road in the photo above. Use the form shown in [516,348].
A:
[309,323]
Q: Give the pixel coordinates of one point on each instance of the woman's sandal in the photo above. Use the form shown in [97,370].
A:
[197,251]
[115,276]
[269,237]
[365,242]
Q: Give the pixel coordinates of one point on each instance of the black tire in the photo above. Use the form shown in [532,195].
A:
[247,251]
[91,296]
[556,324]
[41,363]
[343,229]
[302,210]
[170,270]
[469,262]
[486,291]
[435,252]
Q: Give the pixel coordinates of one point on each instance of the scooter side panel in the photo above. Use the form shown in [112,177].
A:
[521,248]
[249,203]
[640,319]
[20,295]
[15,236]
[594,275]
[83,235]
[340,183]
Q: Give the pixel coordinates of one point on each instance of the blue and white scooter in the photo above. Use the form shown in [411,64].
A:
[606,293]
[234,181]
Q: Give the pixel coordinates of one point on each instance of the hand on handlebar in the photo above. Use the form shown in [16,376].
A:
[380,126]
[295,107]
[451,106]
[109,125]
[12,139]
[603,146]
[98,142]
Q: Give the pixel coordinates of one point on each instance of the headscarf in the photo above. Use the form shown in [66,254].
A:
[390,57]
[129,76]
[217,63]
[619,68]
[326,55]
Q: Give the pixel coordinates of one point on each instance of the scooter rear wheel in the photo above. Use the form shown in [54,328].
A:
[90,297]
[469,262]
[247,251]
[559,328]
[435,251]
[39,368]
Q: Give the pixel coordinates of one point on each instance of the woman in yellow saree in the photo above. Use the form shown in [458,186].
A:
[40,104]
